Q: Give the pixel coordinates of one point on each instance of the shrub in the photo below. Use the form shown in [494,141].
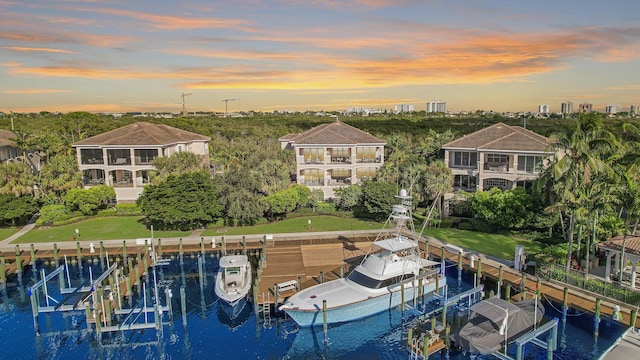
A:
[481,225]
[325,208]
[50,214]
[465,225]
[128,209]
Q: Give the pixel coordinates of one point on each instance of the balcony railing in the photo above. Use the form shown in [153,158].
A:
[340,160]
[93,182]
[369,161]
[340,182]
[120,161]
[313,182]
[92,161]
[497,167]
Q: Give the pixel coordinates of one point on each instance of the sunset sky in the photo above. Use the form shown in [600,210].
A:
[141,55]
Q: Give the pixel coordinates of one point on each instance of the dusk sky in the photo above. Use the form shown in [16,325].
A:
[141,55]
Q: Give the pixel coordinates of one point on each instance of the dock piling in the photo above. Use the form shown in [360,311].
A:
[18,260]
[33,255]
[3,275]
[56,256]
[325,326]
[244,245]
[596,319]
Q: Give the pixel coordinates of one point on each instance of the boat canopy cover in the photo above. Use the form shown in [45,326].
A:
[233,260]
[486,332]
[494,309]
[396,244]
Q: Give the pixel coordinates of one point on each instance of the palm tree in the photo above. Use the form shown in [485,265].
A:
[60,174]
[16,179]
[629,189]
[580,164]
[437,180]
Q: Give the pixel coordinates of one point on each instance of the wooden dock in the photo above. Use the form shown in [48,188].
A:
[308,264]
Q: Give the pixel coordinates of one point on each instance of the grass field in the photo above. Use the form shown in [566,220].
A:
[498,245]
[106,228]
[298,224]
[6,232]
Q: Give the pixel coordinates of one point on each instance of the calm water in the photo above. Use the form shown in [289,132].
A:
[209,331]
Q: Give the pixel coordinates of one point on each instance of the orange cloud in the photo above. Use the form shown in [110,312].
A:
[167,22]
[67,38]
[34,49]
[33,91]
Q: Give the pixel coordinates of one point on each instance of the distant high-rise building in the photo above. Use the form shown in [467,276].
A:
[585,108]
[567,107]
[634,110]
[612,109]
[436,106]
[543,109]
[404,108]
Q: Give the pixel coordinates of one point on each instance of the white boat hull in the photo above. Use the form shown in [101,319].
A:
[358,310]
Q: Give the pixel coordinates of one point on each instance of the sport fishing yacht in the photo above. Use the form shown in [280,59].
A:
[376,284]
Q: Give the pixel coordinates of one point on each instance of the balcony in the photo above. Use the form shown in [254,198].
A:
[313,182]
[340,181]
[92,161]
[340,160]
[376,160]
[119,161]
[497,167]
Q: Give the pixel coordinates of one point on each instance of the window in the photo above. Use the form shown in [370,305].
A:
[529,164]
[497,158]
[91,156]
[465,158]
[465,182]
[366,173]
[313,177]
[313,156]
[145,156]
[366,154]
[119,156]
[364,280]
[495,182]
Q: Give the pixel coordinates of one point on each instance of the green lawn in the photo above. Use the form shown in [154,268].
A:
[6,232]
[498,245]
[298,224]
[104,228]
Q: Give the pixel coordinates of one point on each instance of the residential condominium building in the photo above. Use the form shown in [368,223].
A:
[332,155]
[634,110]
[499,156]
[122,157]
[567,107]
[612,109]
[585,108]
[543,109]
[8,149]
[436,106]
[403,108]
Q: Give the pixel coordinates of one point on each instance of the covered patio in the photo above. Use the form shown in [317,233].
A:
[613,249]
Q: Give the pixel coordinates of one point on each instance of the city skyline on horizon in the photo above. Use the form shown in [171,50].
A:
[291,55]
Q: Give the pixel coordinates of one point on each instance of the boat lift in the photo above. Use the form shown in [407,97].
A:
[550,344]
[98,308]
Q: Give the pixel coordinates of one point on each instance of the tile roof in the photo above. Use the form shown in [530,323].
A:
[334,133]
[5,138]
[142,133]
[615,243]
[501,137]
